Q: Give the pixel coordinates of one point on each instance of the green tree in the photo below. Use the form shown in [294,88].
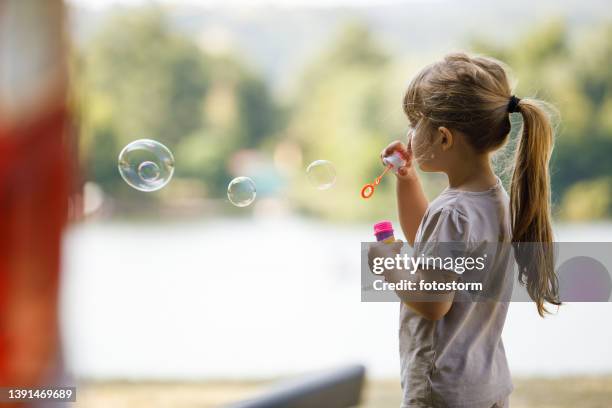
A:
[138,78]
[575,77]
[339,116]
[153,78]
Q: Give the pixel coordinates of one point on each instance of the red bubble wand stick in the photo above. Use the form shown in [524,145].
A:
[368,190]
[396,160]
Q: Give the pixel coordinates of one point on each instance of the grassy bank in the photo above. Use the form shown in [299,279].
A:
[584,392]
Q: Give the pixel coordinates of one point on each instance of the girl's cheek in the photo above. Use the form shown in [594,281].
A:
[419,149]
[422,151]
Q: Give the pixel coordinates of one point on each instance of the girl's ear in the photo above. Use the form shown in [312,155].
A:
[446,138]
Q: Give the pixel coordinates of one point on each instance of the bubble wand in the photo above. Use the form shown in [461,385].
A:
[393,161]
[368,190]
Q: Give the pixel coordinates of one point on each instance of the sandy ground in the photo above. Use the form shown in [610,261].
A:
[584,392]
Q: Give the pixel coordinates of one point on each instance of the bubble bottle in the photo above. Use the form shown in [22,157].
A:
[395,160]
[383,231]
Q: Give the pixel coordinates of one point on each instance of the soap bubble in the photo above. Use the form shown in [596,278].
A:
[146,165]
[241,191]
[322,174]
[148,171]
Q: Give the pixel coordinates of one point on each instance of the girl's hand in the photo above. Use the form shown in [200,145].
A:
[407,172]
[383,250]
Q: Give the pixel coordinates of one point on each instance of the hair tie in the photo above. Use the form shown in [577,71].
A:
[513,104]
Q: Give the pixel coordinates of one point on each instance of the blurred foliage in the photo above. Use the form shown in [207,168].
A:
[339,116]
[589,200]
[575,77]
[139,78]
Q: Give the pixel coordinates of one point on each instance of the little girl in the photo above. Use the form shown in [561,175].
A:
[451,351]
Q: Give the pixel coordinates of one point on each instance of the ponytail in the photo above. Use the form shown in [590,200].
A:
[532,235]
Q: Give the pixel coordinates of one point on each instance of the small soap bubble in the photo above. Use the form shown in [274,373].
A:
[241,191]
[146,165]
[321,174]
[148,171]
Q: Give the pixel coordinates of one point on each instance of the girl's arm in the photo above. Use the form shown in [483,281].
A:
[411,200]
[411,203]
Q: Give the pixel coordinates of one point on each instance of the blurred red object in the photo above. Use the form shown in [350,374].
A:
[34,188]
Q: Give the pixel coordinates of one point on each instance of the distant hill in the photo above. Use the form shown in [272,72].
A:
[278,41]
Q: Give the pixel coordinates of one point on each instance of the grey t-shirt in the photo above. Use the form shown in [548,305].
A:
[459,360]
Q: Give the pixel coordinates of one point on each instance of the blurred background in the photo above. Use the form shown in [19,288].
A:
[179,298]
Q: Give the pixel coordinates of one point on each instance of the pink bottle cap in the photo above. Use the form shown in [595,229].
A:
[383,226]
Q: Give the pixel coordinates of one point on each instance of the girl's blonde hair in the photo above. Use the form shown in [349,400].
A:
[472,95]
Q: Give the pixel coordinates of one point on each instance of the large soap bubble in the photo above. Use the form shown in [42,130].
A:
[146,165]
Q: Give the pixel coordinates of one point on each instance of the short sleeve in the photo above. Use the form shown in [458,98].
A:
[444,238]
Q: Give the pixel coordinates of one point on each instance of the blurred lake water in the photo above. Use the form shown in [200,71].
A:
[264,297]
